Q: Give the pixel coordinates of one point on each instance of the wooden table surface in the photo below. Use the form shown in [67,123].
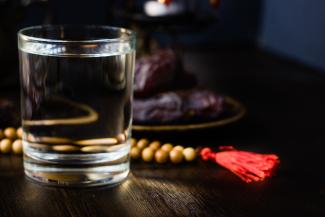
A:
[286,105]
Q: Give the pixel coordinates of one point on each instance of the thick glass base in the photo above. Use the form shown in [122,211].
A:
[79,170]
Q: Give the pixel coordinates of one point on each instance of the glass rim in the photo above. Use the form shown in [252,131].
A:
[129,34]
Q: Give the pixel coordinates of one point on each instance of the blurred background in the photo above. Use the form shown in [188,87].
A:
[293,29]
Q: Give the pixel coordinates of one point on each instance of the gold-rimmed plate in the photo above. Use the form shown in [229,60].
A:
[234,111]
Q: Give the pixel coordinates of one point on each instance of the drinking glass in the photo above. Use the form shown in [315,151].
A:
[76,103]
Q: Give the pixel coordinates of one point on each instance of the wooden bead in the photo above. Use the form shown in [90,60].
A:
[142,143]
[189,154]
[167,147]
[17,147]
[155,145]
[147,154]
[94,148]
[65,148]
[161,156]
[175,156]
[179,147]
[133,142]
[10,133]
[121,138]
[19,133]
[135,153]
[5,146]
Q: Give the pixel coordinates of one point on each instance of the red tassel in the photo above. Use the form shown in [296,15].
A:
[248,166]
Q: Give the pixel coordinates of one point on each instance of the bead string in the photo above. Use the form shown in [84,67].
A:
[160,153]
[248,166]
[11,141]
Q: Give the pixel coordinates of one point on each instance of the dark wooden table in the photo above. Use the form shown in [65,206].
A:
[286,105]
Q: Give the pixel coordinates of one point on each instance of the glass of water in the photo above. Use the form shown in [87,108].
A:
[76,103]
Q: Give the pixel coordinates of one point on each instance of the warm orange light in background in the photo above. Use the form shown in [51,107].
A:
[214,3]
[166,2]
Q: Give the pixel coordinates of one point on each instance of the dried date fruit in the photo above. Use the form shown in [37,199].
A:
[155,72]
[202,103]
[161,108]
[178,106]
[160,71]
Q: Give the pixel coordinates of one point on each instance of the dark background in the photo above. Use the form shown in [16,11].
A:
[291,28]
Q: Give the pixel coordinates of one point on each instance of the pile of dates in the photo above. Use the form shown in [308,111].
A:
[166,93]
